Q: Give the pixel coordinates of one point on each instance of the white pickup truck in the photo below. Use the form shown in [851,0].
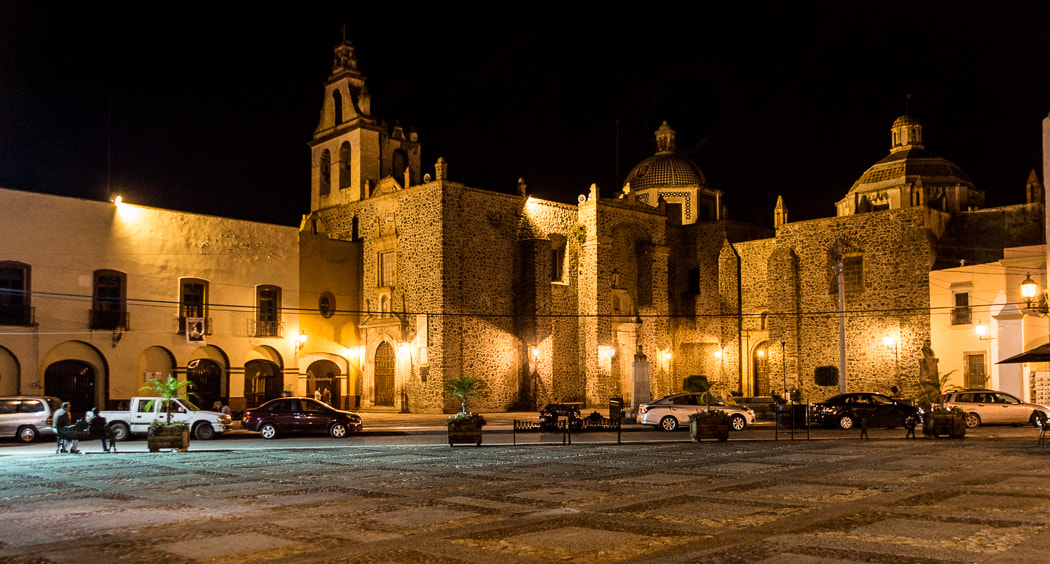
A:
[204,425]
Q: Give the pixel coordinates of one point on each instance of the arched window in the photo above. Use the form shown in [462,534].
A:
[400,164]
[337,106]
[344,165]
[325,172]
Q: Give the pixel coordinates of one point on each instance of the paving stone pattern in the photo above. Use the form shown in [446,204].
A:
[756,501]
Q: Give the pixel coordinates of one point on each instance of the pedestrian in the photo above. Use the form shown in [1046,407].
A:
[317,394]
[327,396]
[97,426]
[226,410]
[61,421]
[217,406]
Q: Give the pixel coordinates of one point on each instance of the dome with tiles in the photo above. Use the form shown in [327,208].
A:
[664,168]
[909,162]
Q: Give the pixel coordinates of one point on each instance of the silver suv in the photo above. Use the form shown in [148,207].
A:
[27,417]
[989,407]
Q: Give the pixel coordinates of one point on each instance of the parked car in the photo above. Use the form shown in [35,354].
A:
[672,411]
[27,417]
[552,412]
[300,415]
[142,411]
[846,411]
[989,407]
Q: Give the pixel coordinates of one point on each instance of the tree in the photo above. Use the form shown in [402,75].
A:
[826,375]
[465,388]
[168,391]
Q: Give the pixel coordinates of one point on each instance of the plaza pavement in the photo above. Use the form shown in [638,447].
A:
[834,499]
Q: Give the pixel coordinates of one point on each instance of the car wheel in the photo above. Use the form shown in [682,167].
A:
[669,423]
[973,420]
[1037,419]
[337,430]
[204,431]
[268,431]
[846,422]
[120,431]
[737,422]
[27,434]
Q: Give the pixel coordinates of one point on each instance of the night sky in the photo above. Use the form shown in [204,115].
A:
[212,106]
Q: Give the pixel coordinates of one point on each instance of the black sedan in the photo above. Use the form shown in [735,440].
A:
[847,410]
[300,415]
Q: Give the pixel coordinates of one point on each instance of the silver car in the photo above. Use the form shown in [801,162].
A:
[673,411]
[990,407]
[27,417]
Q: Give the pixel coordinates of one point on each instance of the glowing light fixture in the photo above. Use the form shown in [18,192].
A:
[718,354]
[535,354]
[980,330]
[300,342]
[118,200]
[1029,289]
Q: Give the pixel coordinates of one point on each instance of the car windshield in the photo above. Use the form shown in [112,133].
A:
[189,405]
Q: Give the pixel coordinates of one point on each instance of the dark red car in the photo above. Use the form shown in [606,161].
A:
[300,415]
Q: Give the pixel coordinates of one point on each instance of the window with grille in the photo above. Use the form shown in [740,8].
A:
[108,305]
[387,269]
[268,312]
[14,294]
[961,313]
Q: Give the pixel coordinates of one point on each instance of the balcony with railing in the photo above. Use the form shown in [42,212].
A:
[259,328]
[181,325]
[19,315]
[107,319]
[962,316]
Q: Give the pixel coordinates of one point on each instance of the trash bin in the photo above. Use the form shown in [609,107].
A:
[615,408]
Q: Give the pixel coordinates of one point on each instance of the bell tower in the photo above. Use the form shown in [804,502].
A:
[351,149]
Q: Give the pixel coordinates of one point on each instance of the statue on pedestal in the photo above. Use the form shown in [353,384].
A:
[928,365]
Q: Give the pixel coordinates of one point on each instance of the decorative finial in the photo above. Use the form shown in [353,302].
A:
[522,187]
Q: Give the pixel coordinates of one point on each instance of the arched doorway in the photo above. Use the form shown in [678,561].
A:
[206,376]
[760,369]
[384,375]
[9,373]
[72,381]
[324,375]
[262,382]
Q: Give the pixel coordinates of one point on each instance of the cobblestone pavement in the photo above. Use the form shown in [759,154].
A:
[822,501]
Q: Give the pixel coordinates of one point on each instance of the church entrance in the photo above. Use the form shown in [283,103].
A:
[760,369]
[384,375]
[72,381]
[206,376]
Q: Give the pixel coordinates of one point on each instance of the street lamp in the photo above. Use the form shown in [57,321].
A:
[1029,289]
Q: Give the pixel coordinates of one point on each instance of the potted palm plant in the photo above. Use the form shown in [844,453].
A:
[941,420]
[465,427]
[708,423]
[167,434]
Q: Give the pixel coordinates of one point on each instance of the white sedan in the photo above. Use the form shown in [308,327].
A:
[673,411]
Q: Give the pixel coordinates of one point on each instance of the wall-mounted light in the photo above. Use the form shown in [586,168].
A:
[118,200]
[981,330]
[300,342]
[718,354]
[667,356]
[404,349]
[535,354]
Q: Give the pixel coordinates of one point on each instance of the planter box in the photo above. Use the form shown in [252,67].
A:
[951,425]
[464,433]
[176,437]
[701,428]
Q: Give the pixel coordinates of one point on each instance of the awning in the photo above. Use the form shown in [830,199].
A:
[1038,354]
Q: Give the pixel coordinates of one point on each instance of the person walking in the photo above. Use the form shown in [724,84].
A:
[317,394]
[97,426]
[62,420]
[327,396]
